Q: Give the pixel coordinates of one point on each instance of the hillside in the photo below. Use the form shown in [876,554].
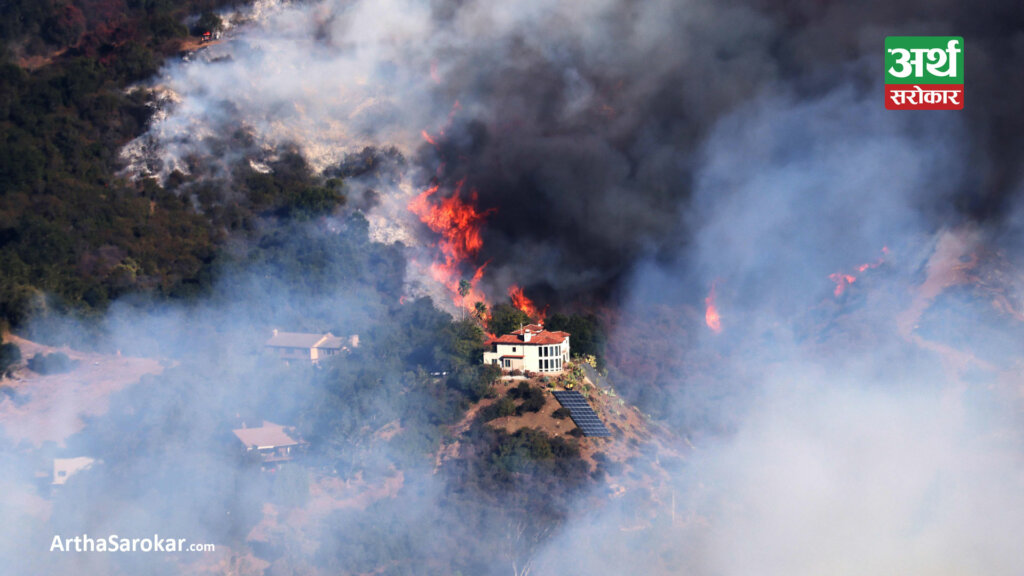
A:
[74,234]
[638,455]
[37,407]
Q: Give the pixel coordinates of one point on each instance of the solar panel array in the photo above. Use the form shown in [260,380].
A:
[581,413]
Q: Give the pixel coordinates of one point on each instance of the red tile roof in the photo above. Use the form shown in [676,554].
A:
[535,328]
[538,338]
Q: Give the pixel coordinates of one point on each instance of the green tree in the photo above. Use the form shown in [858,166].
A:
[505,318]
[587,335]
[462,344]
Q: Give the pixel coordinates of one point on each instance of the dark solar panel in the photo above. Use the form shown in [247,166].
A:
[581,413]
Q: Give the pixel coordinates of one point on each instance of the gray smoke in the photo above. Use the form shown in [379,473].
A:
[577,121]
[877,431]
[644,151]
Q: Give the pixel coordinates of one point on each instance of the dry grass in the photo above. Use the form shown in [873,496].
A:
[51,407]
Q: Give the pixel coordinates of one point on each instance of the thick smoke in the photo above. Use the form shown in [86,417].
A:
[650,150]
[577,121]
[873,432]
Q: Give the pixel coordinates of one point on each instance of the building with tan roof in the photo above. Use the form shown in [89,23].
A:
[531,348]
[273,442]
[308,347]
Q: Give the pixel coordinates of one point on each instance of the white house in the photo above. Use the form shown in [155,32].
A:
[308,347]
[530,348]
[64,468]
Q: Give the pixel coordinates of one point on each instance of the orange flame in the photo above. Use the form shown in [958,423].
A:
[458,222]
[711,317]
[520,301]
[844,280]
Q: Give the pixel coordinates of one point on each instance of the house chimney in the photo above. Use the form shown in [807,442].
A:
[527,334]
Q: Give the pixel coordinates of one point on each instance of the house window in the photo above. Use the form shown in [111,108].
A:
[513,348]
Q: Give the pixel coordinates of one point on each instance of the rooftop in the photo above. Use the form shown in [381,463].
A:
[305,340]
[64,468]
[269,435]
[538,336]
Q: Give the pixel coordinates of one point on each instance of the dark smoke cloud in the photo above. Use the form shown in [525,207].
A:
[583,137]
[577,121]
[876,431]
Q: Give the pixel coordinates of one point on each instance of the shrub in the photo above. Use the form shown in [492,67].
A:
[533,403]
[520,391]
[506,407]
[500,409]
[10,355]
[561,413]
[55,363]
